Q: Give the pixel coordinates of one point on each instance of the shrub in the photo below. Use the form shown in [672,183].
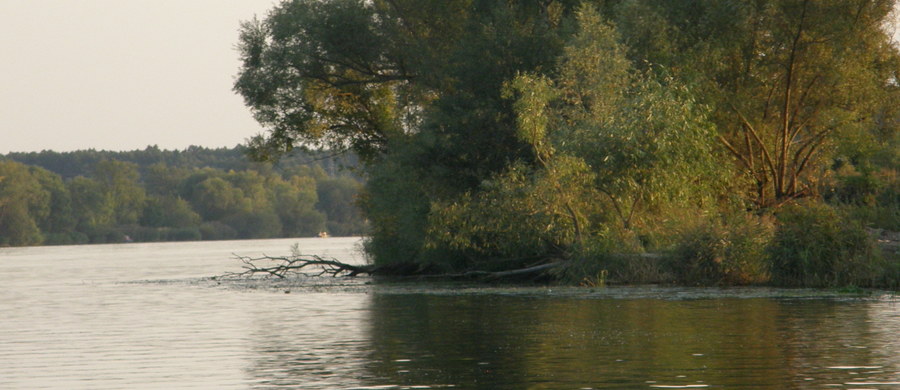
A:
[615,257]
[71,238]
[730,250]
[183,234]
[255,224]
[217,231]
[815,247]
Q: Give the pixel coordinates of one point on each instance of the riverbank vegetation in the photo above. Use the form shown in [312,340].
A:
[701,142]
[157,195]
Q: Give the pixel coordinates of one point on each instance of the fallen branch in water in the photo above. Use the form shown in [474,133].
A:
[308,265]
[312,265]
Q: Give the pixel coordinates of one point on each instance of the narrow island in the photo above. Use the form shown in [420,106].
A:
[710,143]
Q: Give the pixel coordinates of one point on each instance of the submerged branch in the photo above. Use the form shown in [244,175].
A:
[311,265]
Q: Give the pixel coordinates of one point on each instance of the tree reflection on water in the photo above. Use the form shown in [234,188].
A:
[545,343]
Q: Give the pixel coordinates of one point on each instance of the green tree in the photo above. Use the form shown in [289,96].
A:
[337,199]
[254,186]
[120,183]
[215,198]
[414,87]
[255,224]
[90,204]
[294,202]
[22,201]
[320,72]
[161,179]
[611,145]
[168,211]
[59,219]
[788,80]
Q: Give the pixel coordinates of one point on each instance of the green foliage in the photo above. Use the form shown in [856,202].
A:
[217,230]
[335,195]
[168,211]
[161,179]
[59,220]
[791,83]
[616,256]
[519,215]
[602,136]
[89,204]
[814,246]
[255,224]
[119,182]
[171,203]
[162,170]
[183,234]
[23,201]
[871,197]
[501,134]
[294,201]
[319,72]
[216,198]
[729,251]
[397,207]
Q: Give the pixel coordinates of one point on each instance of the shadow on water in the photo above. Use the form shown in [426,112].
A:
[506,342]
[508,338]
[148,316]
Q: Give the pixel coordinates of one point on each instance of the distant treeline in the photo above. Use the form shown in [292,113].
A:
[198,193]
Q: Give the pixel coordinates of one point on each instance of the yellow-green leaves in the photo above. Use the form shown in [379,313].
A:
[532,96]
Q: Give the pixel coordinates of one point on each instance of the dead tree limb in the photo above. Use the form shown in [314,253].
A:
[312,265]
[308,265]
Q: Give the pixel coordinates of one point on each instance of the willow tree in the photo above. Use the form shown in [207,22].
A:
[788,79]
[343,74]
[413,87]
[611,145]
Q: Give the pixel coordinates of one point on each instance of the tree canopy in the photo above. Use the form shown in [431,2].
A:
[497,132]
[138,195]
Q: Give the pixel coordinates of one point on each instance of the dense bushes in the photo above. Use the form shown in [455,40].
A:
[804,244]
[814,246]
[728,250]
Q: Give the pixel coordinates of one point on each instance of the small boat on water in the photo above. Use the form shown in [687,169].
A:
[323,235]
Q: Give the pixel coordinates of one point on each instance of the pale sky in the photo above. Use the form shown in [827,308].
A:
[122,74]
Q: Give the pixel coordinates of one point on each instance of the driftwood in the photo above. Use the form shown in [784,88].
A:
[313,265]
[284,266]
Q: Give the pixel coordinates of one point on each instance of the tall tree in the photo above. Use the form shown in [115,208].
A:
[611,144]
[59,217]
[120,182]
[90,205]
[22,201]
[408,84]
[788,79]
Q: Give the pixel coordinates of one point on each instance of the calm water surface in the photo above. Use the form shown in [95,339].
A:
[148,316]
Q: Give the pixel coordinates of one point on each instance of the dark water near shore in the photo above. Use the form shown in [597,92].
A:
[147,316]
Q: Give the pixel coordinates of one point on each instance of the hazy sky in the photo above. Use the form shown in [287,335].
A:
[121,74]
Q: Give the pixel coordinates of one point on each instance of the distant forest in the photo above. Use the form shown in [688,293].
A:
[198,193]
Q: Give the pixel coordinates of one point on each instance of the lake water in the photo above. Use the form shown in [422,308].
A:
[148,316]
